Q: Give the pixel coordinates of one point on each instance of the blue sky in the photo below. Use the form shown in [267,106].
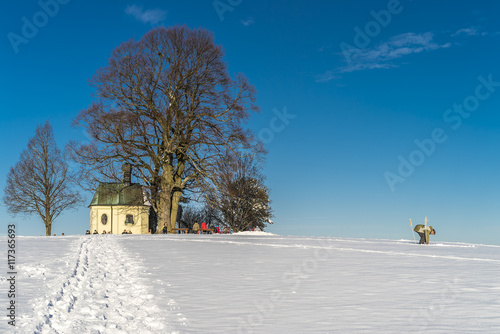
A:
[373,112]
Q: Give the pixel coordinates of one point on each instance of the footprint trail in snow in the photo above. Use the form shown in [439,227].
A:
[103,293]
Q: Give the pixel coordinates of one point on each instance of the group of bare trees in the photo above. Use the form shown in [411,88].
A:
[167,105]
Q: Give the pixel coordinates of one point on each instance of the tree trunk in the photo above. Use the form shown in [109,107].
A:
[176,191]
[175,206]
[164,203]
[164,208]
[48,217]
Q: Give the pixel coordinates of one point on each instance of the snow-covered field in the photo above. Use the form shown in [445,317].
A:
[248,283]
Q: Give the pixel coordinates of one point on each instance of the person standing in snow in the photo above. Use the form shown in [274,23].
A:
[424,232]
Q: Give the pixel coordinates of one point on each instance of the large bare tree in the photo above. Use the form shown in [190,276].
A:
[167,105]
[40,182]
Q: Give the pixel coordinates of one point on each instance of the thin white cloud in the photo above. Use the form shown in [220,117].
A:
[364,66]
[474,31]
[471,31]
[248,22]
[396,47]
[383,55]
[327,76]
[151,16]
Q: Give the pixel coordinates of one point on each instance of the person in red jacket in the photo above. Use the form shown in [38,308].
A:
[204,226]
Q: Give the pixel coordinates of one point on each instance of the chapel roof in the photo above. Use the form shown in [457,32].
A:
[118,194]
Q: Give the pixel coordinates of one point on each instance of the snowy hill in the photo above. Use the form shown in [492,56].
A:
[251,283]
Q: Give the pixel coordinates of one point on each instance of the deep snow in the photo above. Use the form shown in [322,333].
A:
[251,282]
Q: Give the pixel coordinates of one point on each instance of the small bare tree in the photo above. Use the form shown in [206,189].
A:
[239,194]
[39,183]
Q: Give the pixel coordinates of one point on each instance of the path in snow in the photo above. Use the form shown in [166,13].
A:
[103,293]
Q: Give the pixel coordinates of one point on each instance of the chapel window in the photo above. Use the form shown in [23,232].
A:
[129,219]
[104,219]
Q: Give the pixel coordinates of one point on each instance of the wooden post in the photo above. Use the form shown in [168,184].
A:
[412,232]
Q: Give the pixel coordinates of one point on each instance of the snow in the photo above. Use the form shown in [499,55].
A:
[251,283]
[255,233]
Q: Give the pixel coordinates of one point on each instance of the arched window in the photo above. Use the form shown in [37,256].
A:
[104,219]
